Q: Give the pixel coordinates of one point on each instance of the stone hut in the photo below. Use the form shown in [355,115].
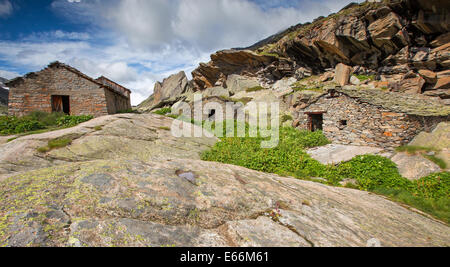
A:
[61,88]
[372,117]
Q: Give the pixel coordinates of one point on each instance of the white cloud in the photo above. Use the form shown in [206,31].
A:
[139,42]
[9,74]
[6,8]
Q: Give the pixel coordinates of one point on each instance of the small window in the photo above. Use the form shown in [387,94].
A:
[211,114]
[343,123]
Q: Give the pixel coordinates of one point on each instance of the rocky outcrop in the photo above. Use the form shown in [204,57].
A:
[414,167]
[227,62]
[168,92]
[439,139]
[390,39]
[130,136]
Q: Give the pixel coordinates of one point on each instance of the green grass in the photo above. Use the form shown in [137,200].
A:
[363,78]
[372,173]
[255,89]
[286,118]
[38,122]
[440,162]
[163,111]
[55,144]
[413,150]
[164,128]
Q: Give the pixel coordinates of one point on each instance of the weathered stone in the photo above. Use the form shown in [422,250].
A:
[169,91]
[414,167]
[443,83]
[438,139]
[429,76]
[237,83]
[342,76]
[354,80]
[335,154]
[230,206]
[216,91]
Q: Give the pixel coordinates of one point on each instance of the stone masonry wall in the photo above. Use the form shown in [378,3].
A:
[367,124]
[34,93]
[116,102]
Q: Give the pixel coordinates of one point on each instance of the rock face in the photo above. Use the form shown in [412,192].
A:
[168,92]
[342,76]
[129,136]
[388,38]
[439,139]
[335,154]
[414,167]
[119,195]
[228,62]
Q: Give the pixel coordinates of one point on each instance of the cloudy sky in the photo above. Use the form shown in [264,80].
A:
[139,42]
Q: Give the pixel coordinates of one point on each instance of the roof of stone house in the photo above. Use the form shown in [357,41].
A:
[398,102]
[112,83]
[57,64]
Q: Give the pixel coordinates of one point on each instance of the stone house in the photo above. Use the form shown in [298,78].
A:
[61,88]
[372,117]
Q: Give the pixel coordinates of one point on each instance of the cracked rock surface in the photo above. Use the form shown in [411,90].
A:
[118,198]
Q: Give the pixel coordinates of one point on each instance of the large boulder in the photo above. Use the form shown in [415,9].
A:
[439,139]
[237,83]
[167,92]
[414,167]
[342,76]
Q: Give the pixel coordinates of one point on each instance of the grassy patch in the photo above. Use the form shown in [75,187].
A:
[413,150]
[37,122]
[163,111]
[363,78]
[164,128]
[98,128]
[286,118]
[55,144]
[244,100]
[440,162]
[255,89]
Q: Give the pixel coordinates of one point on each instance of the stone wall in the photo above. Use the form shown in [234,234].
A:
[34,92]
[116,102]
[348,121]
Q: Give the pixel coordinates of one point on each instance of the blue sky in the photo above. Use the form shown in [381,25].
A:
[139,42]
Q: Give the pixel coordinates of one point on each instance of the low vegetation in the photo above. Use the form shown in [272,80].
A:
[371,173]
[163,111]
[38,122]
[55,144]
[254,89]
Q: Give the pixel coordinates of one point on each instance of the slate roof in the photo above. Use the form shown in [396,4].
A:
[403,103]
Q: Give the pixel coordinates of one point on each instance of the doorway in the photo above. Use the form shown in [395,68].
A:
[61,103]
[315,121]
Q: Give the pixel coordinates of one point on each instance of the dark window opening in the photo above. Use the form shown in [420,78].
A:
[61,104]
[212,112]
[343,123]
[315,122]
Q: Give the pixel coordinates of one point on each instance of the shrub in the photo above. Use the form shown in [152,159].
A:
[433,186]
[13,125]
[372,172]
[70,121]
[163,111]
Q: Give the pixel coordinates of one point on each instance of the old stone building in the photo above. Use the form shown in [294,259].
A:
[372,117]
[61,88]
